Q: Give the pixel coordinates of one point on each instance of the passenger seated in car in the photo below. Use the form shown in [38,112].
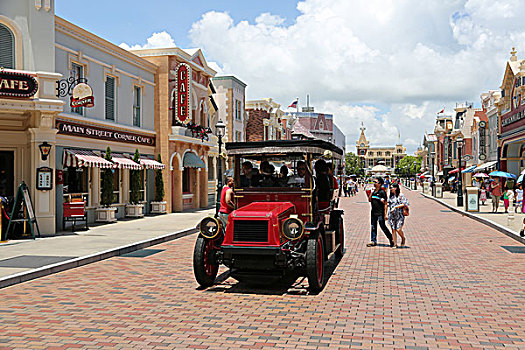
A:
[322,183]
[298,180]
[267,170]
[250,176]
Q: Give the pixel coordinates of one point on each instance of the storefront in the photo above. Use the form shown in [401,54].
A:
[80,151]
[185,126]
[511,111]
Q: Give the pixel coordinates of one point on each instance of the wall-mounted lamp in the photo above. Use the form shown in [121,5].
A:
[45,149]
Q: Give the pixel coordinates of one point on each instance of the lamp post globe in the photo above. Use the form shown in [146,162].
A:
[220,129]
[459,143]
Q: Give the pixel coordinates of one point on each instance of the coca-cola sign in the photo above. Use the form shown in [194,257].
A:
[17,84]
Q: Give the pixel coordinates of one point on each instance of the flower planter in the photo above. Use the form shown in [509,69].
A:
[158,208]
[134,210]
[105,214]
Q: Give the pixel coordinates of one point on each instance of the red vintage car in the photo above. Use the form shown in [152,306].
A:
[284,218]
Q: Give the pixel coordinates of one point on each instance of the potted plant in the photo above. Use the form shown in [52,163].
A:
[106,213]
[135,208]
[158,206]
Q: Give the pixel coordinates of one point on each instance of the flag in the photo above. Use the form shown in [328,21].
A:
[293,104]
[441,111]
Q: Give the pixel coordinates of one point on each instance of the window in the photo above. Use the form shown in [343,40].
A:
[110,98]
[379,153]
[211,169]
[387,154]
[75,180]
[142,185]
[186,180]
[116,185]
[238,110]
[371,154]
[77,72]
[136,105]
[7,48]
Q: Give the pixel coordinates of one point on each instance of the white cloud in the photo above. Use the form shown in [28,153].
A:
[393,64]
[156,40]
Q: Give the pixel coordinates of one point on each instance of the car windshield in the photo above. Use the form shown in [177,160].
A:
[279,171]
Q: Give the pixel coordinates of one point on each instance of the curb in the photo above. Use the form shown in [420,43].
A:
[88,259]
[487,222]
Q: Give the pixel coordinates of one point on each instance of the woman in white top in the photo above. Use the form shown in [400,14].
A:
[519,199]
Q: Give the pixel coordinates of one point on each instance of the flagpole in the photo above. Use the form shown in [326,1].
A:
[297,105]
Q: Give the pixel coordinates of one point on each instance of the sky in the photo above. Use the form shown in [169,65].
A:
[391,64]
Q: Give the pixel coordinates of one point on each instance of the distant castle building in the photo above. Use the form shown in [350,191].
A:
[374,156]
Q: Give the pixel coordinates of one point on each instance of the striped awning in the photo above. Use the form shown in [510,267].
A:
[85,158]
[151,164]
[125,163]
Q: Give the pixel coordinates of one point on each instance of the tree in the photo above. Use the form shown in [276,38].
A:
[107,182]
[159,183]
[352,164]
[406,165]
[135,185]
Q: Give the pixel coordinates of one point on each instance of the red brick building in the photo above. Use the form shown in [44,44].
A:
[266,121]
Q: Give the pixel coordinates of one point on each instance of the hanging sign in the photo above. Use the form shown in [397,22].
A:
[15,84]
[82,96]
[182,93]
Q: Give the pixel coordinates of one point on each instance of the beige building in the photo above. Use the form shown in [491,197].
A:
[183,112]
[373,156]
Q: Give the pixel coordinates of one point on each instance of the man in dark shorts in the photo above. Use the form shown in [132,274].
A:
[378,200]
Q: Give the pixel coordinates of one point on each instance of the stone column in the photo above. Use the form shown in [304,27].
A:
[176,187]
[44,201]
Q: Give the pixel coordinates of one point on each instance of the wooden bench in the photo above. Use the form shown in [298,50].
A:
[74,211]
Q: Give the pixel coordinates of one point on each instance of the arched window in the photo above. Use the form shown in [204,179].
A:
[7,48]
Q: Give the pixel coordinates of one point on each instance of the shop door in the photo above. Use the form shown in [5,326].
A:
[7,173]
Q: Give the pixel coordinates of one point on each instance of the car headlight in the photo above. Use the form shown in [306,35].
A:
[293,228]
[209,227]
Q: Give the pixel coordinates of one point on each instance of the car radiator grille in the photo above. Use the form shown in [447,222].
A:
[250,231]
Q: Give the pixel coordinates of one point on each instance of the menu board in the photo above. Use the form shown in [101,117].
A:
[44,178]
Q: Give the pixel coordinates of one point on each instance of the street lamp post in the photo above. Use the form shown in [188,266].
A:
[220,128]
[459,203]
[415,175]
[432,158]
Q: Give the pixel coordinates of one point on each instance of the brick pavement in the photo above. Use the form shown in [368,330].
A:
[453,287]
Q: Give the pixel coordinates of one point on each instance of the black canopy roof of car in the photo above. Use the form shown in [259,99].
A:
[283,146]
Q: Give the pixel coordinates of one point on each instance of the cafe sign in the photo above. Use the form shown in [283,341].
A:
[182,93]
[15,84]
[95,132]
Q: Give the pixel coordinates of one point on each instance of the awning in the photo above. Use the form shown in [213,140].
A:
[454,171]
[125,163]
[191,160]
[84,158]
[486,165]
[151,164]
[470,169]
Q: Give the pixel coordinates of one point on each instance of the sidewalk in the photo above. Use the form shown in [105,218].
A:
[22,260]
[500,220]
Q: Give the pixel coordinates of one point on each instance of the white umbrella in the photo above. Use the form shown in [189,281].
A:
[481,175]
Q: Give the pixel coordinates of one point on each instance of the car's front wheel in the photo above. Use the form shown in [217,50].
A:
[205,266]
[315,263]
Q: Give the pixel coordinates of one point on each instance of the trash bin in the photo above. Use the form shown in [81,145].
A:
[439,189]
[472,202]
[426,187]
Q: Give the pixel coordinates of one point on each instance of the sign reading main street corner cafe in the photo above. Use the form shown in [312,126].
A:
[15,84]
[95,132]
[182,93]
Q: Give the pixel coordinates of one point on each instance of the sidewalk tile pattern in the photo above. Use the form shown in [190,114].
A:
[452,287]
